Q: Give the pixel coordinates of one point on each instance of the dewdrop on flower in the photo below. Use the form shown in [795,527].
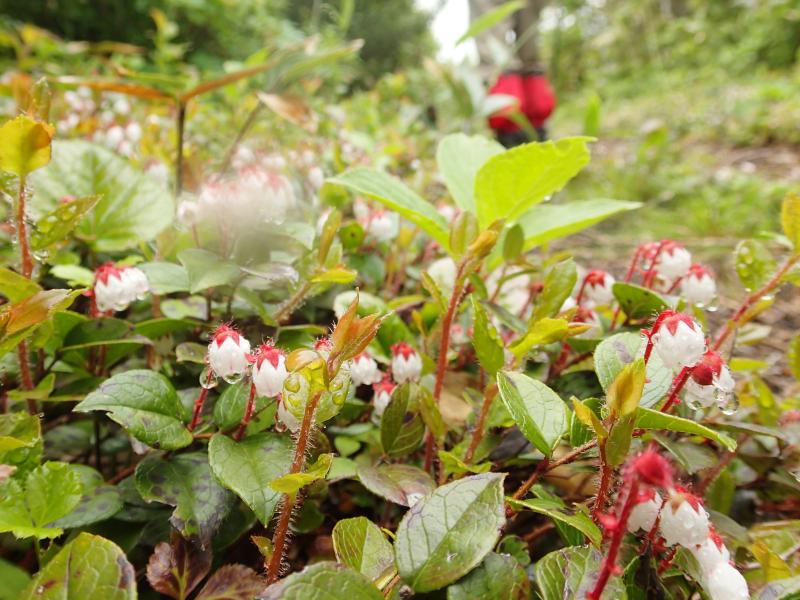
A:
[382,395]
[644,514]
[597,287]
[684,521]
[364,370]
[698,286]
[711,382]
[269,370]
[406,363]
[115,288]
[228,354]
[678,340]
[673,261]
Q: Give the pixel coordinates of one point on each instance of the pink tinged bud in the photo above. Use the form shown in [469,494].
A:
[269,371]
[364,370]
[678,340]
[684,521]
[228,353]
[406,363]
[673,261]
[597,287]
[383,394]
[711,381]
[653,469]
[644,514]
[726,583]
[698,286]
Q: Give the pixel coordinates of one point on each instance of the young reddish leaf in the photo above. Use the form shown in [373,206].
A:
[232,582]
[176,568]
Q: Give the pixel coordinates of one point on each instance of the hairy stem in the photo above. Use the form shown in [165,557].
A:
[198,404]
[606,472]
[477,434]
[677,385]
[768,287]
[26,266]
[289,500]
[288,307]
[248,413]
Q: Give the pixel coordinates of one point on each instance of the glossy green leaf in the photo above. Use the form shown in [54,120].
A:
[362,546]
[87,567]
[398,483]
[653,419]
[205,269]
[638,302]
[99,501]
[459,158]
[393,194]
[15,287]
[570,573]
[511,183]
[56,225]
[249,466]
[485,339]
[538,411]
[145,404]
[401,435]
[323,581]
[14,578]
[74,275]
[557,287]
[498,577]
[185,481]
[294,482]
[447,534]
[20,441]
[133,207]
[557,512]
[165,277]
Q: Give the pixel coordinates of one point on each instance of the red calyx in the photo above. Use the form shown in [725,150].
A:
[653,469]
[595,277]
[710,366]
[224,332]
[384,386]
[104,271]
[268,352]
[403,349]
[697,270]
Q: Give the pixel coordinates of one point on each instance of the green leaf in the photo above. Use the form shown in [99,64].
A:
[249,466]
[20,441]
[323,581]
[74,275]
[56,225]
[335,275]
[459,158]
[543,331]
[794,356]
[399,435]
[557,287]
[557,512]
[51,491]
[14,578]
[638,302]
[569,573]
[15,287]
[549,222]
[206,270]
[133,207]
[145,404]
[232,582]
[498,577]
[393,194]
[491,18]
[625,392]
[445,535]
[230,406]
[754,263]
[511,183]
[362,546]
[398,483]
[87,567]
[653,419]
[165,277]
[790,219]
[538,411]
[294,482]
[613,353]
[185,481]
[453,465]
[98,502]
[24,145]
[195,353]
[691,457]
[486,340]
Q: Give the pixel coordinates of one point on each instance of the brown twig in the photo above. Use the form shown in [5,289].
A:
[477,434]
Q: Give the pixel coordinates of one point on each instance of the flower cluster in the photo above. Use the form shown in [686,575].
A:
[677,519]
[116,288]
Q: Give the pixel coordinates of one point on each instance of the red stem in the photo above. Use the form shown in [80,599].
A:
[289,500]
[753,298]
[609,565]
[26,265]
[651,272]
[605,484]
[477,434]
[628,276]
[677,385]
[248,413]
[198,404]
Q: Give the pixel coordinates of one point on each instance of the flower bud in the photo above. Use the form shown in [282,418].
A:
[228,353]
[711,381]
[673,261]
[643,515]
[711,553]
[698,286]
[115,288]
[684,521]
[726,583]
[406,363]
[382,396]
[364,370]
[597,287]
[382,226]
[269,370]
[678,340]
[653,469]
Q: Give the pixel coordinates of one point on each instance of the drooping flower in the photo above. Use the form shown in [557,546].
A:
[684,521]
[711,381]
[115,288]
[711,553]
[382,396]
[726,583]
[364,370]
[269,370]
[644,514]
[228,353]
[698,286]
[673,261]
[406,363]
[678,340]
[597,287]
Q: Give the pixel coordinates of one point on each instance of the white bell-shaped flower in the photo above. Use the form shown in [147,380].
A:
[698,286]
[269,370]
[597,287]
[726,583]
[382,396]
[644,514]
[406,363]
[364,370]
[684,521]
[678,340]
[228,353]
